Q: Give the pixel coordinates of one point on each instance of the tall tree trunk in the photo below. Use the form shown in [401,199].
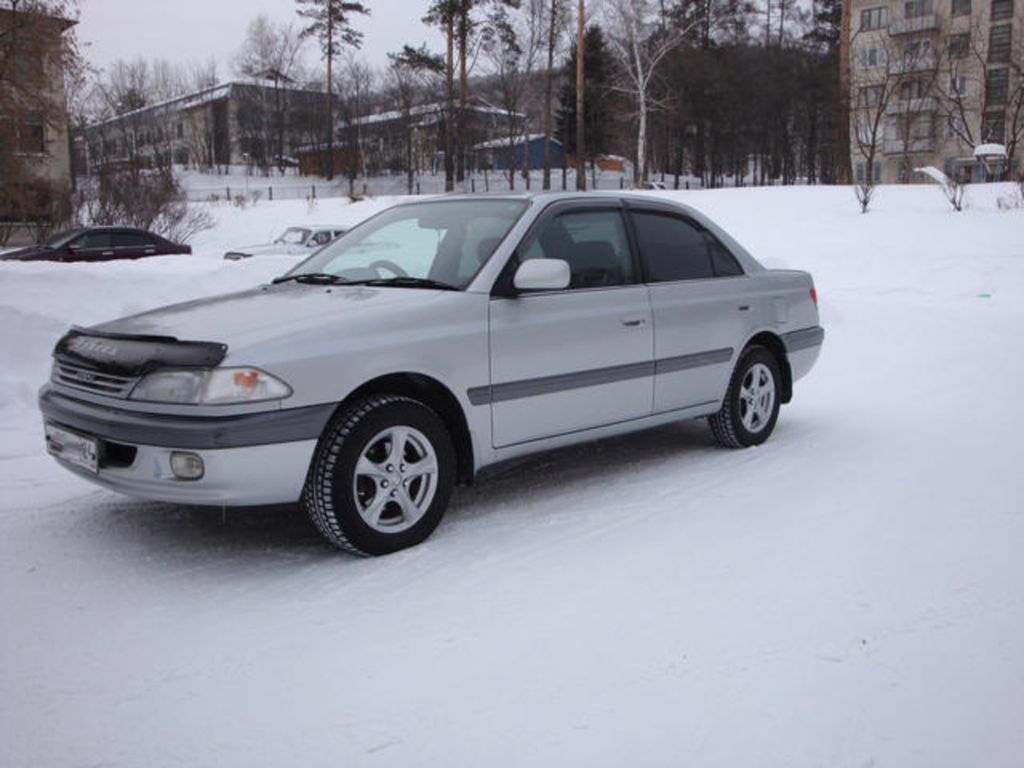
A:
[581,174]
[842,101]
[549,77]
[330,98]
[449,117]
[460,129]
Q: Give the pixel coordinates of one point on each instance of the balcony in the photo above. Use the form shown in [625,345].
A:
[905,106]
[909,64]
[927,23]
[917,146]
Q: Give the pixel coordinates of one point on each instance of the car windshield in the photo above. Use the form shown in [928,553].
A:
[62,237]
[445,241]
[293,236]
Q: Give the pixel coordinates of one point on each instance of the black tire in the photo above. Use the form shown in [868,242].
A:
[333,492]
[730,424]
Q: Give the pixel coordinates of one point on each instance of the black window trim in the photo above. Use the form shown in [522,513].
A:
[671,211]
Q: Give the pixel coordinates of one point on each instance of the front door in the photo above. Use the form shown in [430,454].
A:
[570,360]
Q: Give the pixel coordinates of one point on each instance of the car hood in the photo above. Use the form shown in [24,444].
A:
[276,318]
[26,254]
[273,249]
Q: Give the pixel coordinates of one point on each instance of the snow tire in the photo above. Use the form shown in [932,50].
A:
[732,426]
[329,496]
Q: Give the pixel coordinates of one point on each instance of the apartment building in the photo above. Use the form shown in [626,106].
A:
[929,81]
[35,164]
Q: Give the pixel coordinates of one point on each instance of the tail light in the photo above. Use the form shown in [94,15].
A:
[814,297]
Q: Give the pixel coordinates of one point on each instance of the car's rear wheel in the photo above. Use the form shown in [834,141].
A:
[382,475]
[751,405]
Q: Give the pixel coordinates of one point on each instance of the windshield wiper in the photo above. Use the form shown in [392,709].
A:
[405,281]
[313,278]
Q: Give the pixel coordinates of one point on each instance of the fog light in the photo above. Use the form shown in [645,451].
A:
[187,466]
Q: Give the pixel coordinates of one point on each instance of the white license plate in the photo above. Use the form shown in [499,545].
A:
[72,447]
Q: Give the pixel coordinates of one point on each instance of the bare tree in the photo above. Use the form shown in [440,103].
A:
[409,72]
[269,47]
[354,92]
[555,15]
[641,43]
[512,42]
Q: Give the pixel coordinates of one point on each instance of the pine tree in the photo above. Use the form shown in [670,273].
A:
[597,115]
[330,22]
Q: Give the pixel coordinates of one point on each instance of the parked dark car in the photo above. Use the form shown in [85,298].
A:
[98,244]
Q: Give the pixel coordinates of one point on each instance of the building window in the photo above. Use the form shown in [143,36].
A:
[31,137]
[955,127]
[957,87]
[997,86]
[999,44]
[916,51]
[869,96]
[916,8]
[181,130]
[874,18]
[911,89]
[922,127]
[993,127]
[1002,9]
[872,57]
[961,8]
[959,45]
[861,175]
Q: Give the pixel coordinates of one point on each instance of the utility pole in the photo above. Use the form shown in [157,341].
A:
[581,172]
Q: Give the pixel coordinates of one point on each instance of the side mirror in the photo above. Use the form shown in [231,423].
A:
[542,275]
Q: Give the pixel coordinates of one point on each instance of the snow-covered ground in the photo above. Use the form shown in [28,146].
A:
[849,594]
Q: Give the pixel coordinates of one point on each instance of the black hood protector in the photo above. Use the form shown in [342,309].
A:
[132,355]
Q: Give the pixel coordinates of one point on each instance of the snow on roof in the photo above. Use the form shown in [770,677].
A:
[191,100]
[990,150]
[435,108]
[502,143]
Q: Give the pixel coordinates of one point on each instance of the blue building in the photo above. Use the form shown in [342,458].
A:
[497,155]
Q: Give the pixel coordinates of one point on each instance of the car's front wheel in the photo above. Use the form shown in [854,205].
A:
[751,405]
[382,475]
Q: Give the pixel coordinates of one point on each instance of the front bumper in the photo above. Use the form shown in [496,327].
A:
[258,458]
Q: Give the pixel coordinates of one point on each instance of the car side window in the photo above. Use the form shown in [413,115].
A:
[672,248]
[725,263]
[129,240]
[594,243]
[320,238]
[93,240]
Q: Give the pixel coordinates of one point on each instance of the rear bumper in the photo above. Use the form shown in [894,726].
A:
[803,348]
[259,458]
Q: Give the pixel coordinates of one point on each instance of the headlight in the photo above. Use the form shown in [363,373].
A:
[219,386]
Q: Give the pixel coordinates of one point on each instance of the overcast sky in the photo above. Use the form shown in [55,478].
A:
[184,30]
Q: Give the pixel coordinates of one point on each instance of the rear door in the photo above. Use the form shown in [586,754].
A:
[575,359]
[132,245]
[702,306]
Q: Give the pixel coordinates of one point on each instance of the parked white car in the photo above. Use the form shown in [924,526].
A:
[435,339]
[294,241]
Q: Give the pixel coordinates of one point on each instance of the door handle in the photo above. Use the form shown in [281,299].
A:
[634,322]
[744,307]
